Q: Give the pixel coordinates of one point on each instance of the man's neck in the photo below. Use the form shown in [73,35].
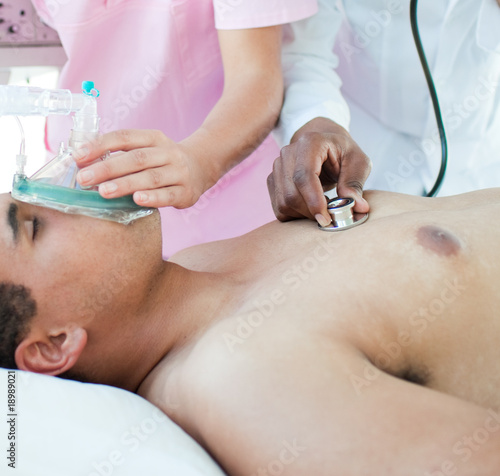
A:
[180,305]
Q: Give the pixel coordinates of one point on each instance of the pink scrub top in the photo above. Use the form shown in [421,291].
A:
[157,64]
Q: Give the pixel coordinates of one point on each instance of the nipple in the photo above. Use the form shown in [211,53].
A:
[438,240]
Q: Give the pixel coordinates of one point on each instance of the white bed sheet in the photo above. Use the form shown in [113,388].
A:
[65,428]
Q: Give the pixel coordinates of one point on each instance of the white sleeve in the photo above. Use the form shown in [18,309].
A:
[312,87]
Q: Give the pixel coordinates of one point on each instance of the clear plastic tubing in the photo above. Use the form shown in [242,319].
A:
[28,101]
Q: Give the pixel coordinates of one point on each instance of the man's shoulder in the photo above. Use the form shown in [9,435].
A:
[262,246]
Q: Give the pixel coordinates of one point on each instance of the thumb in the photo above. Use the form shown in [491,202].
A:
[352,177]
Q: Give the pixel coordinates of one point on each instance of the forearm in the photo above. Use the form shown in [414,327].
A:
[312,85]
[240,121]
[250,103]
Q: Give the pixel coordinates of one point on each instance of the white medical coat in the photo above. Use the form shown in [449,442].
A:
[356,62]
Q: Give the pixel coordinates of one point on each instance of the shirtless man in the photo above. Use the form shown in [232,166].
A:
[373,351]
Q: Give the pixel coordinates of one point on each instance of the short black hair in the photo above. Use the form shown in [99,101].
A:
[17,309]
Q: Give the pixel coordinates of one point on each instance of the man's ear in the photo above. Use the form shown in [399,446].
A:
[51,354]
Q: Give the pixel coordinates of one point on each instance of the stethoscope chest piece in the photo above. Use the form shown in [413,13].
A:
[342,215]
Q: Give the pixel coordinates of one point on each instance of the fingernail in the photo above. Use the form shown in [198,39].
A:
[141,197]
[85,176]
[322,220]
[108,187]
[80,153]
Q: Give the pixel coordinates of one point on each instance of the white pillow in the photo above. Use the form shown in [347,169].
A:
[65,428]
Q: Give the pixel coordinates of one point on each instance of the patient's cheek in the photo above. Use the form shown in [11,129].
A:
[438,240]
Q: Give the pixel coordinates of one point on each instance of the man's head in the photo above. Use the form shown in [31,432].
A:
[65,280]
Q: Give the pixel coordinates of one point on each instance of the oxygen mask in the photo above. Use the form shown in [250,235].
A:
[54,185]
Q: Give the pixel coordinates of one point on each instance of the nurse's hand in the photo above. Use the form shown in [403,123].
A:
[321,155]
[156,170]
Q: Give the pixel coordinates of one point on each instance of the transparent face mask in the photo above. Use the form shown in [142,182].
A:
[54,185]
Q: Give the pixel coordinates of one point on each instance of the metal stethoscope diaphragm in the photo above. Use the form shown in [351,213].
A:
[343,217]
